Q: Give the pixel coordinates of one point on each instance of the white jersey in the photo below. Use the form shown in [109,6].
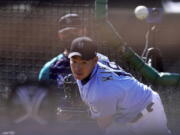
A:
[136,109]
[114,92]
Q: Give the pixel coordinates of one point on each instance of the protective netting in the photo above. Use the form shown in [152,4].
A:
[28,39]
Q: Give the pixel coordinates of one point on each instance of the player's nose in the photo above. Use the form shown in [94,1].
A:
[78,68]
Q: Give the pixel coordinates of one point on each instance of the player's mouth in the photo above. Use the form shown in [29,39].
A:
[78,75]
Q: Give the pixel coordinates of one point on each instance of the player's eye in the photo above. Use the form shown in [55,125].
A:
[72,62]
[84,62]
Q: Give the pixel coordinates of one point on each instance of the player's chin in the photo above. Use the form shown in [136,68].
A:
[79,77]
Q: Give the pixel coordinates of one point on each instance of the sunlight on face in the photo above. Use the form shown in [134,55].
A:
[82,68]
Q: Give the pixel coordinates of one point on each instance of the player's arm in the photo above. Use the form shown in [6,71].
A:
[150,73]
[44,72]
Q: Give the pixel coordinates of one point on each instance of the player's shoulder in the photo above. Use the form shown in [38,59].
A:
[105,70]
[102,57]
[60,56]
[111,77]
[105,78]
[52,60]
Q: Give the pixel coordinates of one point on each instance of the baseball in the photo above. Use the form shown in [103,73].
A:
[141,12]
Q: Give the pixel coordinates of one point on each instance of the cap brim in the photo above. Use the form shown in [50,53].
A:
[74,54]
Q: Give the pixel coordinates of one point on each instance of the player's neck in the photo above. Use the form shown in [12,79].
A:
[85,80]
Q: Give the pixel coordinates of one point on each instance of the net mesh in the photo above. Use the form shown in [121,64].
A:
[28,39]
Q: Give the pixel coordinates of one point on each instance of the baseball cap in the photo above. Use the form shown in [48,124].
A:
[84,47]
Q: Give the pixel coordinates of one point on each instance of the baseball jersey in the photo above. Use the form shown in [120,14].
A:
[45,70]
[114,92]
[62,66]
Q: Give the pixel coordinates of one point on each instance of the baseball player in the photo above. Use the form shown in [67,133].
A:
[121,104]
[45,72]
[65,34]
[58,67]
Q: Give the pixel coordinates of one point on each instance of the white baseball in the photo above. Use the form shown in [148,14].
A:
[141,12]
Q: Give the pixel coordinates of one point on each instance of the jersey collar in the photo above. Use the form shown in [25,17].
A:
[84,81]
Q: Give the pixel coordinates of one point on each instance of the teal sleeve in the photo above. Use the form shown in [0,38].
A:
[151,74]
[44,72]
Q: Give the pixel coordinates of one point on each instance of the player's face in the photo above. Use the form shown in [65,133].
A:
[82,68]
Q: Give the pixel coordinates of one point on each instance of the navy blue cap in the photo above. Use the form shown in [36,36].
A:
[84,47]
